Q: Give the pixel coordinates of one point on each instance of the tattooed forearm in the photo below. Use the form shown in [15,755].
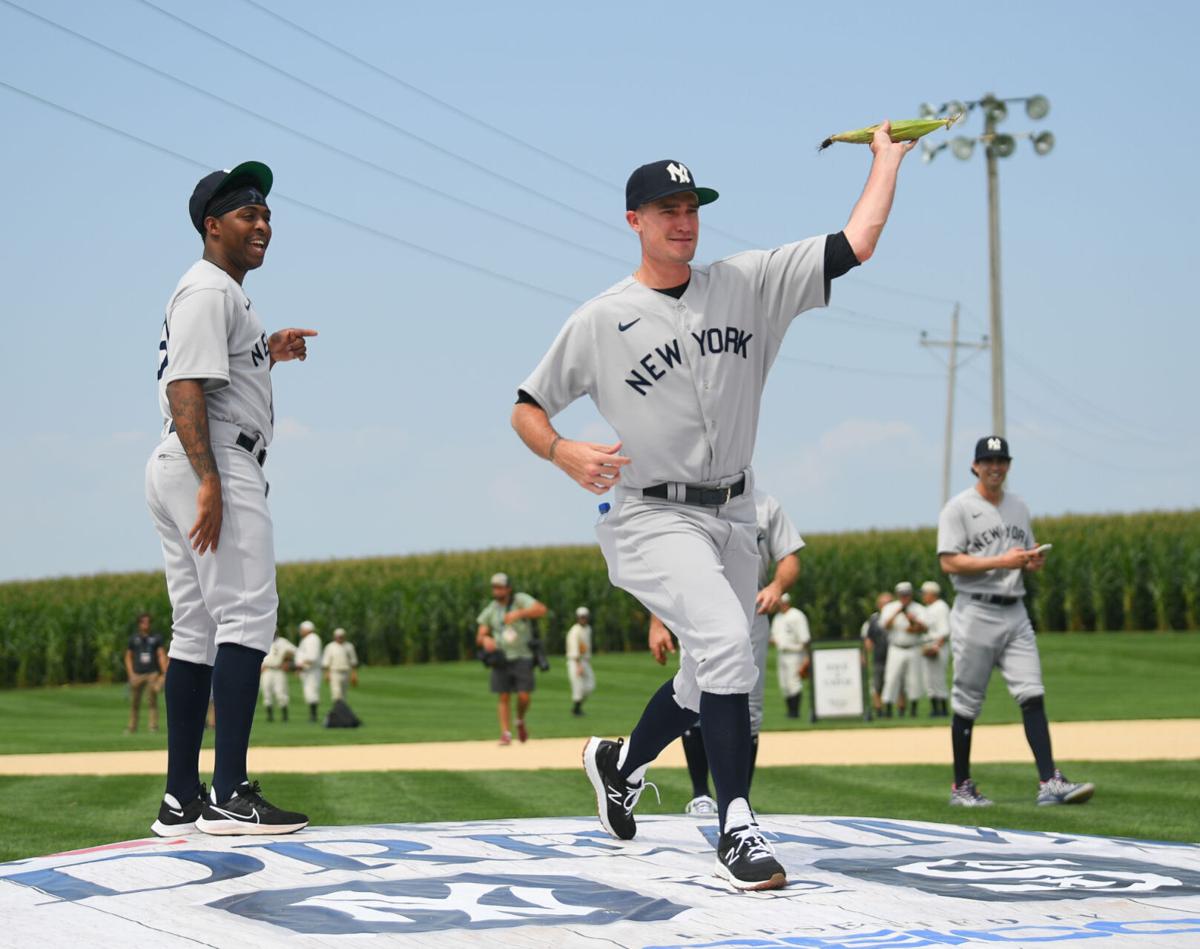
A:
[190,414]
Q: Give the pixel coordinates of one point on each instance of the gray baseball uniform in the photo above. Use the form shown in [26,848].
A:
[681,381]
[777,537]
[989,626]
[211,333]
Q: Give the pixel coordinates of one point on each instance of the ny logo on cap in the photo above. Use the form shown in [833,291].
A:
[994,444]
[679,174]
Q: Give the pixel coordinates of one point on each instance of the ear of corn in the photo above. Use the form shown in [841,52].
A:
[905,130]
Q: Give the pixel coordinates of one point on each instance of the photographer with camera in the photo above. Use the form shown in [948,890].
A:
[507,646]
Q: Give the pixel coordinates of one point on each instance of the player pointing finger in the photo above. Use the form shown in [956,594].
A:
[289,344]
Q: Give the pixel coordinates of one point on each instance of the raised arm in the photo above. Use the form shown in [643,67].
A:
[871,212]
[594,467]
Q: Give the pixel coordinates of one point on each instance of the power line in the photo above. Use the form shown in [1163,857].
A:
[859,370]
[387,123]
[330,215]
[430,97]
[304,136]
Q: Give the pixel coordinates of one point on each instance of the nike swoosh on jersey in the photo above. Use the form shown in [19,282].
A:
[977,514]
[624,326]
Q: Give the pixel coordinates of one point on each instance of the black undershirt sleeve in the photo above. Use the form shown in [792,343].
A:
[839,259]
[524,398]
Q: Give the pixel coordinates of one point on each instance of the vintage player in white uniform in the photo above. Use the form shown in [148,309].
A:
[207,494]
[985,542]
[675,358]
[935,648]
[791,636]
[274,676]
[579,660]
[902,621]
[308,665]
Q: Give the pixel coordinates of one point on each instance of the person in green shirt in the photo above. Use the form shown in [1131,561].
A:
[505,626]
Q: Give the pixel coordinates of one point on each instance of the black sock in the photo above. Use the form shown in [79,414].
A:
[697,760]
[187,690]
[312,711]
[270,714]
[727,740]
[235,693]
[1037,733]
[283,712]
[753,761]
[912,709]
[661,723]
[960,743]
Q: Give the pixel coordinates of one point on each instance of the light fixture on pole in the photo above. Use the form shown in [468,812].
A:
[996,145]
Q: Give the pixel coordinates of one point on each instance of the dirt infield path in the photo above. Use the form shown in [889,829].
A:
[1165,739]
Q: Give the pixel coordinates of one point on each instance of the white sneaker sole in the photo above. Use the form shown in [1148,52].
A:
[159,829]
[776,882]
[1082,793]
[230,828]
[954,802]
[593,774]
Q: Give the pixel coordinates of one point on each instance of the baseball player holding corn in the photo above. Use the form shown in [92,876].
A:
[675,358]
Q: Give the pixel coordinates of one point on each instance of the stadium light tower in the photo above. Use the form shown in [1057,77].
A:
[996,145]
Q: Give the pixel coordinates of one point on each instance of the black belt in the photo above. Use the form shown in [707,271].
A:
[245,442]
[705,497]
[996,600]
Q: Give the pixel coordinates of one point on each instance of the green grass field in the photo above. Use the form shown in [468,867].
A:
[1088,677]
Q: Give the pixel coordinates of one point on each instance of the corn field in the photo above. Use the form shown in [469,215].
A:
[1106,572]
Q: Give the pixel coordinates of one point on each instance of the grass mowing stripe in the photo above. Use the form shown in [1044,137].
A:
[1144,800]
[1088,677]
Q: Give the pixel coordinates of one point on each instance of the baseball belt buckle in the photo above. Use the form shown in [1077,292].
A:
[728,493]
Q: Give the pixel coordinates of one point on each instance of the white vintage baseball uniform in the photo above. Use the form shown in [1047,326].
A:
[681,381]
[308,661]
[789,632]
[579,661]
[903,668]
[985,633]
[777,537]
[274,679]
[936,617]
[211,333]
[339,658]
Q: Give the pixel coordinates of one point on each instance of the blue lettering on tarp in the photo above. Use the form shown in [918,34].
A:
[57,881]
[390,851]
[908,833]
[468,901]
[920,938]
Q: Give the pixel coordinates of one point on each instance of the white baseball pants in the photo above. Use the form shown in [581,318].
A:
[696,568]
[227,595]
[274,688]
[788,669]
[310,679]
[903,669]
[339,684]
[935,673]
[583,679]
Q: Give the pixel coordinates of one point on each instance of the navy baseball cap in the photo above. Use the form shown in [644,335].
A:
[992,446]
[659,179]
[249,174]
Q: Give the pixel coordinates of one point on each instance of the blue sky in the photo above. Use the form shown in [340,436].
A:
[436,227]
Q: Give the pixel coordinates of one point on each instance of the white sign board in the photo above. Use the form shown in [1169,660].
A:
[837,683]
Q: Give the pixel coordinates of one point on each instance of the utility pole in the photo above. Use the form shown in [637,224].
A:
[954,345]
[994,320]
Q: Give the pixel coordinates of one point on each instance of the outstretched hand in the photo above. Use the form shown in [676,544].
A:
[882,144]
[594,467]
[289,344]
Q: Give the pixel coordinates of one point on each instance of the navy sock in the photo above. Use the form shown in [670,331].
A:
[727,739]
[187,689]
[1037,733]
[753,760]
[960,743]
[235,693]
[697,759]
[661,723]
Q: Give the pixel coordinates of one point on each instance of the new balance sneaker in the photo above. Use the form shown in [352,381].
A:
[1058,790]
[175,818]
[702,806]
[967,795]
[248,812]
[746,860]
[615,797]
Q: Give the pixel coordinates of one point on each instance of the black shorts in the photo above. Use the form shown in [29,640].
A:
[514,676]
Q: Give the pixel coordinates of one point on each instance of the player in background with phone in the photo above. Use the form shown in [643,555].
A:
[985,544]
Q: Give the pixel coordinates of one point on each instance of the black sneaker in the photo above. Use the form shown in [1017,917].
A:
[746,860]
[175,818]
[247,812]
[615,797]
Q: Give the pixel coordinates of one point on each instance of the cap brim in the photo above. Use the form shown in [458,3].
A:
[255,171]
[703,195]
